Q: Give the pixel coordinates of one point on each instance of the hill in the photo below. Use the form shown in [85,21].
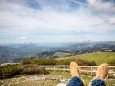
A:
[17,52]
[54,54]
[99,58]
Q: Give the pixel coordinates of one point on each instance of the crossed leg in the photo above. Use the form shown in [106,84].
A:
[101,73]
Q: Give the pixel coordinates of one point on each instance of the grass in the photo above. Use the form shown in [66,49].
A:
[99,58]
[21,80]
[55,77]
[62,54]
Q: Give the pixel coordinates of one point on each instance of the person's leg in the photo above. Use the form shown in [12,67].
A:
[75,81]
[97,82]
[75,73]
[101,74]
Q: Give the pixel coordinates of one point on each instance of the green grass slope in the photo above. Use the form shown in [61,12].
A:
[99,58]
[62,54]
[26,80]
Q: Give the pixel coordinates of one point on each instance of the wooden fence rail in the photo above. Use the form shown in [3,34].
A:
[85,69]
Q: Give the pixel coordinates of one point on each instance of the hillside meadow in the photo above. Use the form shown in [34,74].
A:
[99,58]
[51,79]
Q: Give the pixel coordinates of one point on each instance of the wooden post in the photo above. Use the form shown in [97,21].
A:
[64,68]
[46,67]
[91,71]
[54,68]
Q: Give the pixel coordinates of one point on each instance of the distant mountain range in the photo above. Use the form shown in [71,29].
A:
[16,52]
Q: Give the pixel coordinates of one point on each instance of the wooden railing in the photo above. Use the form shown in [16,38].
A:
[84,69]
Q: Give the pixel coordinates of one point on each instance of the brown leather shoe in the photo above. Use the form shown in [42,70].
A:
[102,71]
[75,71]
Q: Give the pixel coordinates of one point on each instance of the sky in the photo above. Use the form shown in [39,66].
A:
[56,21]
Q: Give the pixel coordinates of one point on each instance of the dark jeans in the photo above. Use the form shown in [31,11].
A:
[98,82]
[76,81]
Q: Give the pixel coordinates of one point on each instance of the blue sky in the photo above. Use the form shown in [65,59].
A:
[56,21]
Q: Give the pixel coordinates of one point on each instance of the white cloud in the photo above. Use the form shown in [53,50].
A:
[22,18]
[106,11]
[23,37]
[110,20]
[102,6]
[18,18]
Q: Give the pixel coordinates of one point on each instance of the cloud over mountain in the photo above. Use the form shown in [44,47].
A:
[56,19]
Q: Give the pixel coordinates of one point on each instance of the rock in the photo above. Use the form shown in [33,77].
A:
[61,84]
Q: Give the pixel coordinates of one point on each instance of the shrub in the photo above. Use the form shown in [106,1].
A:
[39,61]
[34,69]
[111,62]
[64,62]
[13,70]
[10,71]
[50,61]
[80,62]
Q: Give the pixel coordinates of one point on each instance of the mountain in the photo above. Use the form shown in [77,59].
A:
[98,46]
[16,52]
[54,54]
